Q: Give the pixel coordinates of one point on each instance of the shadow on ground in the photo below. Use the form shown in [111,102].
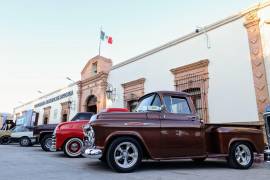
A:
[165,165]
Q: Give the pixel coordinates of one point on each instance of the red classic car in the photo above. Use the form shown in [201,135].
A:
[68,136]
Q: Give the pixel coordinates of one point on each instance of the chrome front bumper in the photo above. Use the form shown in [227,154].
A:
[53,147]
[267,155]
[91,151]
[267,131]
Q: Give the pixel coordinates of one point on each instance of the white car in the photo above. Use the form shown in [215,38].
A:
[23,135]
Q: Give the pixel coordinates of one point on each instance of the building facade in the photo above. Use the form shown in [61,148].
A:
[58,106]
[224,66]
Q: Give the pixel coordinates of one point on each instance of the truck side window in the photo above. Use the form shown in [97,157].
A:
[156,101]
[176,105]
[144,103]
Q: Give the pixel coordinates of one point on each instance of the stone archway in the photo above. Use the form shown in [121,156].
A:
[91,104]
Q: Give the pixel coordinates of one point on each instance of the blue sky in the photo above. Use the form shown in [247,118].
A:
[42,42]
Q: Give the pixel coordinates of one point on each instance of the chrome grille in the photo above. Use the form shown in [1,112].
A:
[53,147]
[267,126]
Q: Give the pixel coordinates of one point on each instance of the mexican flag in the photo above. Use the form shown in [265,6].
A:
[105,37]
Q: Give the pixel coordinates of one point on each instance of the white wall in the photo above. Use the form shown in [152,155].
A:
[55,113]
[265,34]
[231,93]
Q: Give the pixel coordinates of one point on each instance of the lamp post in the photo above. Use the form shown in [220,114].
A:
[110,92]
[68,78]
[203,29]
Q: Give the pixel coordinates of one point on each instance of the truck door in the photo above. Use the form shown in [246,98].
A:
[150,128]
[181,132]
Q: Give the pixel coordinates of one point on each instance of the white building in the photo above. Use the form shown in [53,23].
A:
[58,106]
[226,66]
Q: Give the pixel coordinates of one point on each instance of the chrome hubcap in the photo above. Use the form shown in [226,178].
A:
[48,143]
[243,154]
[74,147]
[126,155]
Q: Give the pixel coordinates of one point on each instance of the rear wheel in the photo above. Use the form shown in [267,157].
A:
[124,154]
[25,141]
[241,156]
[73,147]
[46,142]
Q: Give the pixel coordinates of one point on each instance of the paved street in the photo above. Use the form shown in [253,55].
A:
[33,163]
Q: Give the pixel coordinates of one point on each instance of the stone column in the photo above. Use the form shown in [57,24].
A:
[257,60]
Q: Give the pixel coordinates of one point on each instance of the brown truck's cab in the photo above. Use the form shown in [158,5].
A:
[165,126]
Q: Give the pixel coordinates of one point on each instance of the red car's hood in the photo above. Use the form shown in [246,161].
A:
[71,124]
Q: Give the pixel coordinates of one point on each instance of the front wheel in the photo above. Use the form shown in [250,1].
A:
[5,140]
[25,141]
[241,156]
[46,142]
[73,147]
[124,154]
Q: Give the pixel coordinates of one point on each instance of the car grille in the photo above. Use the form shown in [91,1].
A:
[53,147]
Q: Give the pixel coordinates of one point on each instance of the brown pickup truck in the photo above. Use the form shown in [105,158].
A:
[164,127]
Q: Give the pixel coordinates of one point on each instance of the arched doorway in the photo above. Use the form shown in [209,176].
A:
[45,120]
[91,104]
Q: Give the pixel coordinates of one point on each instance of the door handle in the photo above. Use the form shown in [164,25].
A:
[193,118]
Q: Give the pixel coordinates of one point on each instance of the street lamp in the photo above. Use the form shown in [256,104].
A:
[68,78]
[203,29]
[110,92]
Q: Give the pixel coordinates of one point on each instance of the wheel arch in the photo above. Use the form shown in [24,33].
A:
[246,140]
[134,135]
[43,134]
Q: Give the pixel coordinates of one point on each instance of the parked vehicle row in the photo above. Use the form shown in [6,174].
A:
[164,127]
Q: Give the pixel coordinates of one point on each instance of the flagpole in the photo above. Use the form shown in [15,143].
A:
[99,41]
